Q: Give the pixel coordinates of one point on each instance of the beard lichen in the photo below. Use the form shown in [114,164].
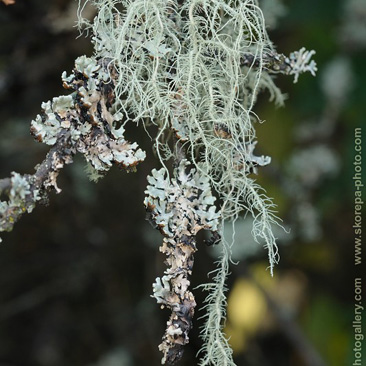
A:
[195,68]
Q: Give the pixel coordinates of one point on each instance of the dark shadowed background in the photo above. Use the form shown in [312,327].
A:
[75,276]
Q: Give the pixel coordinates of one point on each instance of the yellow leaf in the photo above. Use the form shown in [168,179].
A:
[247,306]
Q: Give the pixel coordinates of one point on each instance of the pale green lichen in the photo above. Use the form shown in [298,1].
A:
[47,129]
[161,289]
[179,65]
[21,199]
[93,174]
[20,188]
[301,62]
[87,66]
[88,116]
[180,207]
[191,192]
[207,87]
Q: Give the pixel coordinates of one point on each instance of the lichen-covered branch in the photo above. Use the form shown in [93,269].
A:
[24,191]
[89,117]
[294,64]
[179,208]
[194,69]
[84,121]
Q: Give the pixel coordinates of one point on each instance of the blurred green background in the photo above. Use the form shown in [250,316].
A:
[75,276]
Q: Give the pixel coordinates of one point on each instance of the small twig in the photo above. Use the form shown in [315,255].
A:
[24,191]
[294,64]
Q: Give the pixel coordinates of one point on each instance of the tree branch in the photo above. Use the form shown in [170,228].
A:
[24,191]
[83,122]
[295,64]
[179,208]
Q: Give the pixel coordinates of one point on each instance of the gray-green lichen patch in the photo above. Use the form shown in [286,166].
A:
[177,201]
[19,188]
[89,118]
[21,199]
[179,208]
[85,121]
[87,66]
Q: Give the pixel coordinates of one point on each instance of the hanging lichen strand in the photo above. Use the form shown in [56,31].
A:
[195,68]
